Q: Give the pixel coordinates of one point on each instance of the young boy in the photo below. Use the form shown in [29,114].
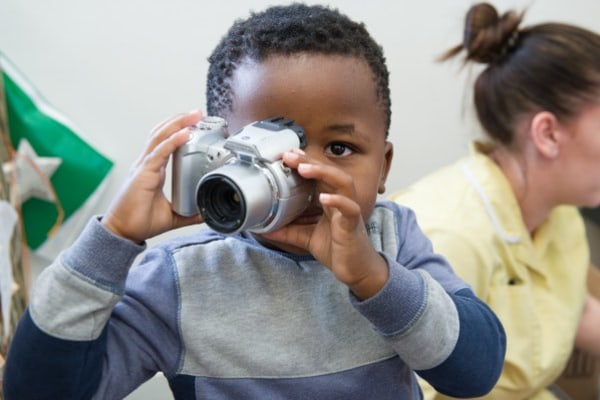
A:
[345,302]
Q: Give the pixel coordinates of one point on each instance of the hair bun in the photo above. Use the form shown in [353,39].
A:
[488,36]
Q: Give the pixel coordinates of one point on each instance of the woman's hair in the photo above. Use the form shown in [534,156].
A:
[552,66]
[288,30]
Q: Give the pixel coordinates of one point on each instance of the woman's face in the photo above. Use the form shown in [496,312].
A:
[580,159]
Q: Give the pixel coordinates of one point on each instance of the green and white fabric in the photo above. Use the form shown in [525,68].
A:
[58,176]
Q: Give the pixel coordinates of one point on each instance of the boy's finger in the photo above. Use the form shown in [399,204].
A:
[186,119]
[295,235]
[169,127]
[339,181]
[348,208]
[159,157]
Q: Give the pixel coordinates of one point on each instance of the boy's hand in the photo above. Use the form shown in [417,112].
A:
[141,210]
[339,240]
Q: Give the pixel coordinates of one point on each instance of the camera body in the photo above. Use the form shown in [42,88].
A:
[239,182]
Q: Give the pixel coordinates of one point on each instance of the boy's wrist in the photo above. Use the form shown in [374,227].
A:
[373,282]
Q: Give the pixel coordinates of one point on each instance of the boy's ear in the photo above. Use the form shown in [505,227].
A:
[546,133]
[386,166]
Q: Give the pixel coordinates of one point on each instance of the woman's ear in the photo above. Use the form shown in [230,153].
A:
[546,134]
[388,155]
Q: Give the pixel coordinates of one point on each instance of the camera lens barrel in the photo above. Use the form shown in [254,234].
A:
[222,204]
[235,197]
[258,197]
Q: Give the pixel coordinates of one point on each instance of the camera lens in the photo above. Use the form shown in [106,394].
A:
[221,203]
[237,196]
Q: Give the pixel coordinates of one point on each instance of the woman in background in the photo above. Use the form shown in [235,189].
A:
[506,216]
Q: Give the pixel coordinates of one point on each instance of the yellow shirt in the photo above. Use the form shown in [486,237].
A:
[535,285]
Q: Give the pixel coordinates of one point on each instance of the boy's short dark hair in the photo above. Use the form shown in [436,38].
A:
[286,30]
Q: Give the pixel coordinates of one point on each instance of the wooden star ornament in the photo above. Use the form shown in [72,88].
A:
[31,173]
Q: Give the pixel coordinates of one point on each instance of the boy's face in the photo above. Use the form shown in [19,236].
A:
[334,99]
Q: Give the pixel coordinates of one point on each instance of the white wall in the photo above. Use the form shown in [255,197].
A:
[117,68]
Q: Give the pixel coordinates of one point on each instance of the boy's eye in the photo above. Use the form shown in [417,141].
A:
[338,149]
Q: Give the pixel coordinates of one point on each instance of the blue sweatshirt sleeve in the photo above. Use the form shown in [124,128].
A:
[59,347]
[452,340]
[40,366]
[475,364]
[430,316]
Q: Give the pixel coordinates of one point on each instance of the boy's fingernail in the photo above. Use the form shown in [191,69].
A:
[324,196]
[303,167]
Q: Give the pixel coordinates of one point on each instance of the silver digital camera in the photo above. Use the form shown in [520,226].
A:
[239,182]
